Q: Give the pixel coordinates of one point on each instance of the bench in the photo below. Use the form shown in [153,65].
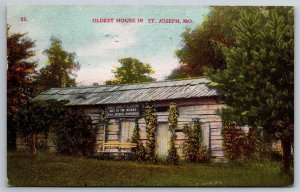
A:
[120,145]
[106,153]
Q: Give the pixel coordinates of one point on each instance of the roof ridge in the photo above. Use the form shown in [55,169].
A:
[173,80]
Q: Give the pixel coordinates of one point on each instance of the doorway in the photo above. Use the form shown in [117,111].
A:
[162,140]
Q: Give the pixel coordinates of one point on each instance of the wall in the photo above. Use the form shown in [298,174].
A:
[204,109]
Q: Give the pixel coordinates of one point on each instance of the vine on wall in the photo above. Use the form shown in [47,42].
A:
[102,117]
[173,115]
[151,127]
[192,148]
[140,149]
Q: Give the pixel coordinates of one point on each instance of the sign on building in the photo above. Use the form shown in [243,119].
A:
[118,111]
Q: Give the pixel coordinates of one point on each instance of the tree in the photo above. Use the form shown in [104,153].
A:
[20,77]
[199,49]
[131,71]
[59,70]
[258,81]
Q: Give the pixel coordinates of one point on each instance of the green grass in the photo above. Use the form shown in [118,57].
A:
[58,170]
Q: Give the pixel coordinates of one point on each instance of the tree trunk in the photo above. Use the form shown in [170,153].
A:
[34,141]
[286,156]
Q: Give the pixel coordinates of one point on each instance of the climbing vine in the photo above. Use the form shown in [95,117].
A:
[151,127]
[140,149]
[173,114]
[102,117]
[192,148]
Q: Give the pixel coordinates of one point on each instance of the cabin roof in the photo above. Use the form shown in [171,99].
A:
[132,93]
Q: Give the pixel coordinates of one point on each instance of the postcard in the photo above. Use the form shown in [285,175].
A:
[159,96]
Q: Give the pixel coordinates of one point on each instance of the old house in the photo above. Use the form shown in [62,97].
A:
[123,106]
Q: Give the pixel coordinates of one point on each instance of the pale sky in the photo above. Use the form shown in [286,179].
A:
[99,45]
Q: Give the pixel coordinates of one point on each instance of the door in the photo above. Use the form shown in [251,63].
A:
[127,128]
[162,140]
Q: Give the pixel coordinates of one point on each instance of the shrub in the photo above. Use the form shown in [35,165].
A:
[192,148]
[75,134]
[241,146]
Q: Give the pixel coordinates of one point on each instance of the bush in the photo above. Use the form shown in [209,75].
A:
[241,146]
[192,148]
[75,134]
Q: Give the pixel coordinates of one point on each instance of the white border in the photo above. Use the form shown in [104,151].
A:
[3,161]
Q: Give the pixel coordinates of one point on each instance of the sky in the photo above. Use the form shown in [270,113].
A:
[99,45]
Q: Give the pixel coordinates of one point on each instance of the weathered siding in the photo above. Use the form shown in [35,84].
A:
[210,122]
[207,114]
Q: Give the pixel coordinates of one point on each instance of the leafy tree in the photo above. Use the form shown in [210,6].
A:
[131,71]
[59,70]
[258,81]
[199,49]
[20,77]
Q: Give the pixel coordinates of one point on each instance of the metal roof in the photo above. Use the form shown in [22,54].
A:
[132,93]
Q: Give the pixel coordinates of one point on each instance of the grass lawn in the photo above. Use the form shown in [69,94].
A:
[58,170]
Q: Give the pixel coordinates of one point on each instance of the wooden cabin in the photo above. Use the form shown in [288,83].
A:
[123,106]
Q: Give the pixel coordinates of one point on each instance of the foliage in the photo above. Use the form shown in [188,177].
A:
[59,70]
[151,128]
[61,170]
[20,76]
[73,131]
[173,114]
[76,133]
[241,146]
[140,149]
[131,71]
[192,148]
[37,117]
[258,80]
[199,45]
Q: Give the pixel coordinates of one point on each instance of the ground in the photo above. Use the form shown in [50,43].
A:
[45,169]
